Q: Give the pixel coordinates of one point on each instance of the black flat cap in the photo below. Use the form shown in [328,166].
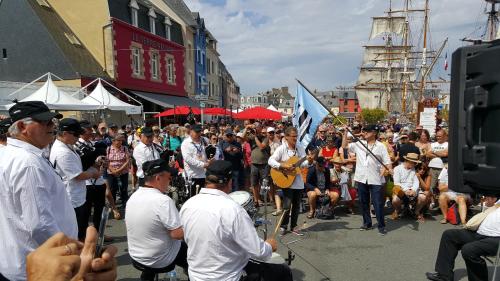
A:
[4,125]
[154,167]
[197,128]
[34,109]
[371,128]
[223,170]
[70,125]
[85,124]
[147,131]
[112,126]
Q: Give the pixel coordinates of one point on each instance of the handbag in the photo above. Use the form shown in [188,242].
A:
[474,223]
[452,216]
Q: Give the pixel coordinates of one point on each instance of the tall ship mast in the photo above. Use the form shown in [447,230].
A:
[491,29]
[397,60]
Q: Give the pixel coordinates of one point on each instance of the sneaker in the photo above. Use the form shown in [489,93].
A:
[382,231]
[282,231]
[388,203]
[297,232]
[364,227]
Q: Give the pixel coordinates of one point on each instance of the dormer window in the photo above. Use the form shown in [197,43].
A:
[152,19]
[168,26]
[134,12]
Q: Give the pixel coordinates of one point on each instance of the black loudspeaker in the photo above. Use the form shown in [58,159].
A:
[474,135]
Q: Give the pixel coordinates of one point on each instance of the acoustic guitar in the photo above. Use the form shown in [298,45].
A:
[284,178]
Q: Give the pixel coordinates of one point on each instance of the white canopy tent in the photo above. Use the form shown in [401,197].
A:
[54,98]
[271,107]
[105,100]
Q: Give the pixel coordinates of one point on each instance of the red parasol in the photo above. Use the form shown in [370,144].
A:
[258,113]
[216,111]
[180,110]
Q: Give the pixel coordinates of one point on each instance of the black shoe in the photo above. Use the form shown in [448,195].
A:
[435,276]
[365,227]
[382,231]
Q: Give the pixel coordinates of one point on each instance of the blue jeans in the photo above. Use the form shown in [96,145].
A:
[236,180]
[377,193]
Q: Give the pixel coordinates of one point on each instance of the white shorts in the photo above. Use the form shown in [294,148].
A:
[452,195]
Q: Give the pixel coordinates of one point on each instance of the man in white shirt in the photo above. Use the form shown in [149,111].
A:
[221,237]
[195,158]
[292,195]
[406,186]
[473,244]
[369,174]
[145,151]
[34,203]
[439,151]
[154,230]
[68,165]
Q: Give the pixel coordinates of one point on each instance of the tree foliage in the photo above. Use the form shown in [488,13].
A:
[372,116]
[337,121]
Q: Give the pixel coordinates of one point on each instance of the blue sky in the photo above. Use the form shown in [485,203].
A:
[269,43]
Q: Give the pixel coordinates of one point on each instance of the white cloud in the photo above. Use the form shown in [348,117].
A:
[268,43]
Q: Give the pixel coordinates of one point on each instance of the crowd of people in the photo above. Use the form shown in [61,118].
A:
[57,174]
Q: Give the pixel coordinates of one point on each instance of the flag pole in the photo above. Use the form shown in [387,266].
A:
[342,123]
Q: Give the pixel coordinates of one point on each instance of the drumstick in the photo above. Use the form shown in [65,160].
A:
[279,224]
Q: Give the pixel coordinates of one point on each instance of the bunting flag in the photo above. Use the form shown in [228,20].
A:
[308,113]
[446,61]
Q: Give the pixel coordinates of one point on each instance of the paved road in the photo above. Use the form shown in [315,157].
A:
[341,252]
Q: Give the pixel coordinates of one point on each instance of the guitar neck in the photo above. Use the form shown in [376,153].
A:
[300,162]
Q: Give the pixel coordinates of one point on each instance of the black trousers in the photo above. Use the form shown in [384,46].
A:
[472,245]
[196,182]
[120,184]
[260,271]
[148,273]
[82,220]
[96,198]
[291,198]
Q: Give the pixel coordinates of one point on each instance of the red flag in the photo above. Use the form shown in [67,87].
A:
[446,61]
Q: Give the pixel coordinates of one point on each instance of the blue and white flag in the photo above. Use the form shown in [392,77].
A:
[307,115]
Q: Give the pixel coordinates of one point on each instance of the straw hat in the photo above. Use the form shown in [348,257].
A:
[412,157]
[337,160]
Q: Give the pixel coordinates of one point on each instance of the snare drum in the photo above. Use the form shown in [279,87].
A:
[245,200]
[275,259]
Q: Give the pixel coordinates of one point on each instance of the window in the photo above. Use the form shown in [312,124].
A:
[168,26]
[202,58]
[189,51]
[136,61]
[170,70]
[208,69]
[152,20]
[199,82]
[134,8]
[190,79]
[72,39]
[198,54]
[155,66]
[42,3]
[152,27]
[212,70]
